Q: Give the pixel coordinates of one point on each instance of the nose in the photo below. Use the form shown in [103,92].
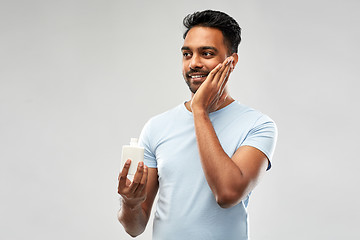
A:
[195,62]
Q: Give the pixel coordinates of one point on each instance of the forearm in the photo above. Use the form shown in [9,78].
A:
[134,219]
[222,174]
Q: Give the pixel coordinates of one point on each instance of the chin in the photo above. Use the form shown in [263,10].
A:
[192,87]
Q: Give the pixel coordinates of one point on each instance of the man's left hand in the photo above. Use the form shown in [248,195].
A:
[211,94]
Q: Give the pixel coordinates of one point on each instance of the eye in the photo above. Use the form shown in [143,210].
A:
[208,54]
[186,54]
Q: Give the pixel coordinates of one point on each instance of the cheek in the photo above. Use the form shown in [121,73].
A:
[185,68]
[183,72]
[213,65]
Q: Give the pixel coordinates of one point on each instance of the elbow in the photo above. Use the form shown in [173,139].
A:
[224,204]
[229,199]
[224,201]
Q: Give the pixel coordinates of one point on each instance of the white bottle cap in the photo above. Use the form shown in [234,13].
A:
[133,142]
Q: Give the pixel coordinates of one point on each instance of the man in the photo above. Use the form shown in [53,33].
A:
[204,156]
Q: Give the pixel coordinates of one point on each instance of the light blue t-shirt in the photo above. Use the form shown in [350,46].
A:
[186,207]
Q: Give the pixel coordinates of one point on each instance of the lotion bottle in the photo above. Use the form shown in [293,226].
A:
[133,152]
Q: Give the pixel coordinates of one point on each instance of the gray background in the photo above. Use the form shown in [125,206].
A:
[79,78]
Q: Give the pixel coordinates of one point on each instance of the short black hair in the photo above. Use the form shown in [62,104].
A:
[216,19]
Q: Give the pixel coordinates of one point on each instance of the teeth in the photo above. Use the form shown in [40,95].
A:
[198,76]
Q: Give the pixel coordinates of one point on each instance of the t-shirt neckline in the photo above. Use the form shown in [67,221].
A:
[212,113]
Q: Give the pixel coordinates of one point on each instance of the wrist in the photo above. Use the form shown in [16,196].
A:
[198,110]
[200,113]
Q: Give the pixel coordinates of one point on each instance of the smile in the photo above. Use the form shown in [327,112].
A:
[198,76]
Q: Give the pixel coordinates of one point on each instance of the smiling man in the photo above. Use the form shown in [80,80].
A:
[205,156]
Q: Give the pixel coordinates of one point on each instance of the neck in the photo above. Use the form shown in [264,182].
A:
[227,101]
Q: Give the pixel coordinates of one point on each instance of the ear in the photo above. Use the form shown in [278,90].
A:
[236,59]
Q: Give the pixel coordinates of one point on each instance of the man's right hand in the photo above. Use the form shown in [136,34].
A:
[133,193]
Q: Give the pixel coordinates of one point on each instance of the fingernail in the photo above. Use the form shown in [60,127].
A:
[128,161]
[141,164]
[229,61]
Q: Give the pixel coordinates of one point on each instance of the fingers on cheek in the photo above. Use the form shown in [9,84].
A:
[212,74]
[216,69]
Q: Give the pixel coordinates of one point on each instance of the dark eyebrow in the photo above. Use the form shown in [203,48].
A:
[208,48]
[184,48]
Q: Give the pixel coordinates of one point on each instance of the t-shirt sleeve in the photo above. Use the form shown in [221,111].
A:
[263,136]
[145,142]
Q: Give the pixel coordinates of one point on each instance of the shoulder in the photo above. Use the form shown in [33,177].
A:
[164,121]
[166,116]
[261,131]
[244,113]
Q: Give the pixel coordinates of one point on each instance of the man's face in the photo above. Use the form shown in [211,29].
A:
[202,51]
